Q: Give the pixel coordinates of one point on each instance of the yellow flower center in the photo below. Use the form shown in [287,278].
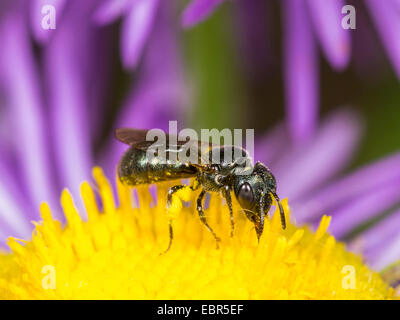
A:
[116,254]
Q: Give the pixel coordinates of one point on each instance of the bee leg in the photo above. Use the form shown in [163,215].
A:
[177,188]
[203,217]
[172,191]
[169,199]
[171,236]
[196,184]
[228,199]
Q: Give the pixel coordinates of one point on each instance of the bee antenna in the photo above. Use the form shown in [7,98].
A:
[283,220]
[262,215]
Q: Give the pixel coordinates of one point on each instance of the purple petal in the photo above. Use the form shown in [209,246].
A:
[21,80]
[198,10]
[388,254]
[363,181]
[335,41]
[136,27]
[68,58]
[300,71]
[363,208]
[109,10]
[309,165]
[36,16]
[272,145]
[14,207]
[373,242]
[387,20]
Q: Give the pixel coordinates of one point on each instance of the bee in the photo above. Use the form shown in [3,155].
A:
[254,186]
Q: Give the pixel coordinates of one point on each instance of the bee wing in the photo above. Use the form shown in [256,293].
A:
[137,139]
[131,136]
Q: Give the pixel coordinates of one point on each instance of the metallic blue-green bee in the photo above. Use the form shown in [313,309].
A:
[253,186]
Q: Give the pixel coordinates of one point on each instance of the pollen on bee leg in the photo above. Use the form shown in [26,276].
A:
[184,193]
[175,207]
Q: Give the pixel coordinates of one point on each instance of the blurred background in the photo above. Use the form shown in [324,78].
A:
[323,100]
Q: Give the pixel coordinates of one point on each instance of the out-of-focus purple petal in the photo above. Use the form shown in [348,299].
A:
[6,5]
[23,98]
[327,18]
[136,27]
[373,242]
[159,96]
[14,208]
[198,10]
[270,146]
[36,16]
[67,60]
[5,127]
[300,71]
[363,181]
[388,254]
[99,73]
[307,166]
[109,10]
[387,21]
[363,208]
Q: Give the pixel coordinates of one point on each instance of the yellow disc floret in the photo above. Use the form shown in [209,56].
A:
[115,254]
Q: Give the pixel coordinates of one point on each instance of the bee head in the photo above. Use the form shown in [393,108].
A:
[254,193]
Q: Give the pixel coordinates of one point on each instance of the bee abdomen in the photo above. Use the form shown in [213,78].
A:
[135,168]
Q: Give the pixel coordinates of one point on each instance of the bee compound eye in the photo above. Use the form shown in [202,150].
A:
[245,196]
